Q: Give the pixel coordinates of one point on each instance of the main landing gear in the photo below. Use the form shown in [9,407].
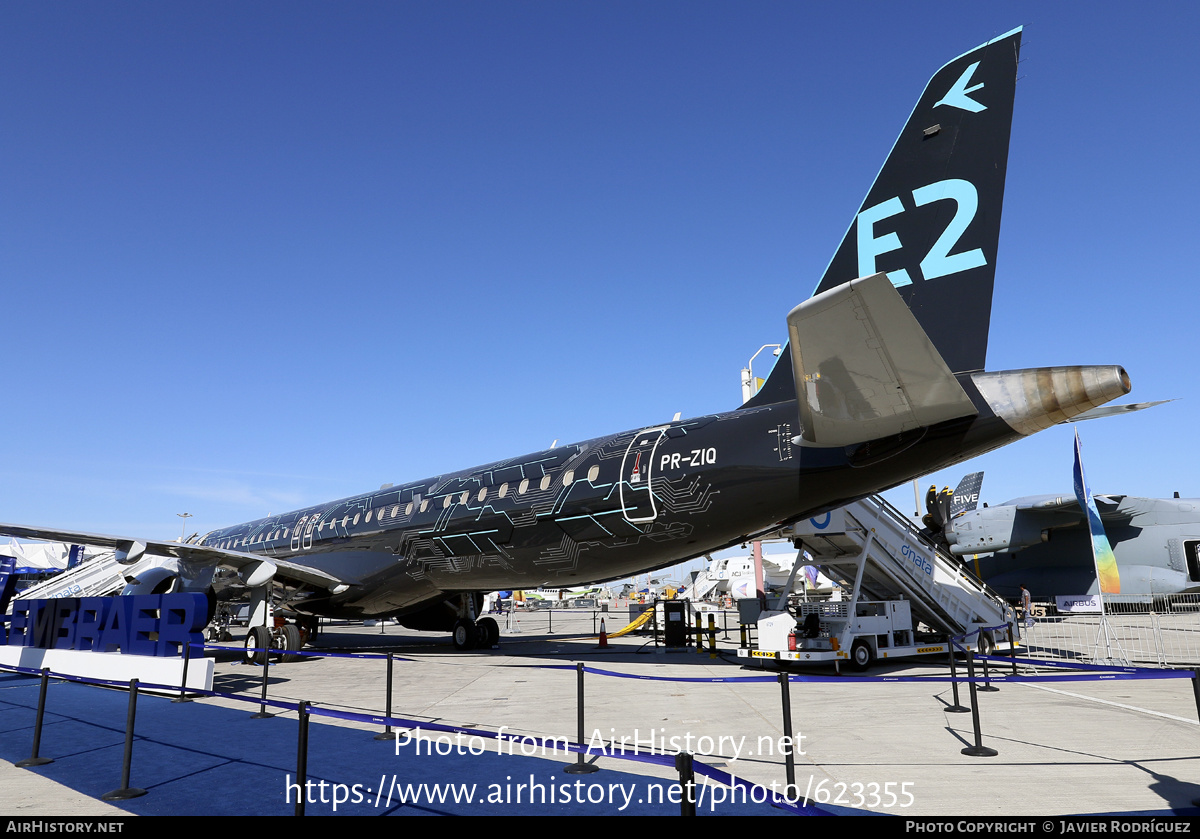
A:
[469,634]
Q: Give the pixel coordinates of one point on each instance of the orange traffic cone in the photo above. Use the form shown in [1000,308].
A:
[603,636]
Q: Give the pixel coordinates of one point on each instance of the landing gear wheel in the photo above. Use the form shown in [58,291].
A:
[291,643]
[489,632]
[465,634]
[258,639]
[861,655]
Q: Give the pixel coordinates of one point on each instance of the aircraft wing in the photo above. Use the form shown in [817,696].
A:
[130,551]
[1107,504]
[864,368]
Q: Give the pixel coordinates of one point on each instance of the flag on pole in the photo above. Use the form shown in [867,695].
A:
[1106,563]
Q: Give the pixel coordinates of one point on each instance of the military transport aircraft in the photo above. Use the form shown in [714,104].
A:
[1043,541]
[883,380]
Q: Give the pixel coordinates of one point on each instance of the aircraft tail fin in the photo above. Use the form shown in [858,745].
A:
[966,494]
[931,220]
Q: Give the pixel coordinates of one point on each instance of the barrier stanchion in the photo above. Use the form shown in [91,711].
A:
[790,756]
[187,656]
[978,750]
[687,783]
[34,759]
[699,634]
[1195,690]
[386,734]
[1012,648]
[579,767]
[987,677]
[712,636]
[126,792]
[550,631]
[956,708]
[262,705]
[302,757]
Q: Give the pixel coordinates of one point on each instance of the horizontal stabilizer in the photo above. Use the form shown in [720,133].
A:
[1114,410]
[864,368]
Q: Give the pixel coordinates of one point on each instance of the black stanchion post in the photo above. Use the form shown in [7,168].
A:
[386,734]
[1012,648]
[187,657]
[955,708]
[699,633]
[687,783]
[790,759]
[978,750]
[1195,692]
[550,631]
[987,677]
[262,705]
[579,767]
[126,792]
[34,759]
[302,757]
[712,636]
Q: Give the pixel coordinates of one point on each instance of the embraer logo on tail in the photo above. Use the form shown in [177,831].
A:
[938,262]
[958,95]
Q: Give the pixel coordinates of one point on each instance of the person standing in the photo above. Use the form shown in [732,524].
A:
[1027,605]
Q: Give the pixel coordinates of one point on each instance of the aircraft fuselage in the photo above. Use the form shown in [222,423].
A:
[597,510]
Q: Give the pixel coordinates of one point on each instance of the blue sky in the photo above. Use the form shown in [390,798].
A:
[261,255]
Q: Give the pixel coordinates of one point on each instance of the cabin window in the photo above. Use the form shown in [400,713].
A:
[545,484]
[446,502]
[355,519]
[482,493]
[396,510]
[568,477]
[593,474]
[425,505]
[408,509]
[368,516]
[462,499]
[523,487]
[503,489]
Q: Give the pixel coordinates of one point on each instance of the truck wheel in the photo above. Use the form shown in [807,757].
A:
[861,655]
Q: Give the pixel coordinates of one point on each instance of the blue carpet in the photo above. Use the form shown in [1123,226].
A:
[198,759]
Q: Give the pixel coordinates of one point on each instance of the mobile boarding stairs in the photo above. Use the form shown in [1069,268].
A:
[898,580]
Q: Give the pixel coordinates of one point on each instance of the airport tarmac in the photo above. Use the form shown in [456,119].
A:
[874,744]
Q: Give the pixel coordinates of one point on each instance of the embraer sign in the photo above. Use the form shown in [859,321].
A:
[148,624]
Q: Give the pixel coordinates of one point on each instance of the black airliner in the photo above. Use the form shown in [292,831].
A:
[882,380]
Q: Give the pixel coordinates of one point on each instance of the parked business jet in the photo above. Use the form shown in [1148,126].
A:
[883,380]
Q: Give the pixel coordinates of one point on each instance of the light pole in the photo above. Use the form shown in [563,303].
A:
[183,532]
[749,386]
